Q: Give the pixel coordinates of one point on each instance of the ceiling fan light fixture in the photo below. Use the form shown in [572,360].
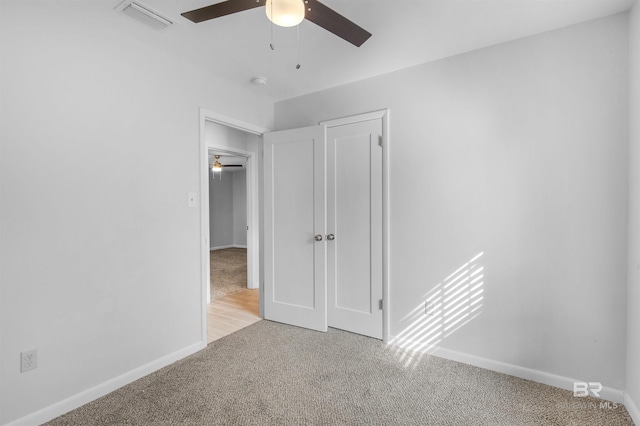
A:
[216,167]
[285,13]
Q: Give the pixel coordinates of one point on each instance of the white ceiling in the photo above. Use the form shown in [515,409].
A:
[405,33]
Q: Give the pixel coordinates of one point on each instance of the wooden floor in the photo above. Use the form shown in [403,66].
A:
[231,313]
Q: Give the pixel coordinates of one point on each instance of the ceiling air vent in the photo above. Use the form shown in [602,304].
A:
[144,14]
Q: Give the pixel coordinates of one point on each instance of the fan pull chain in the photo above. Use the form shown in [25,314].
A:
[298,46]
[271,44]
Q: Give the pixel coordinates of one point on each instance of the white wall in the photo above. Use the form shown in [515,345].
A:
[239,207]
[100,255]
[633,296]
[228,210]
[221,211]
[518,152]
[225,137]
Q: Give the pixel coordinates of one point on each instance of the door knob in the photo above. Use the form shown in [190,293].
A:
[318,237]
[331,237]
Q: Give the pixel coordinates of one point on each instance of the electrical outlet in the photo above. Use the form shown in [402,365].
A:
[429,308]
[28,360]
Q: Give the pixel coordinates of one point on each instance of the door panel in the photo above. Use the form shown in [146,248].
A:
[295,288]
[293,206]
[354,216]
[352,223]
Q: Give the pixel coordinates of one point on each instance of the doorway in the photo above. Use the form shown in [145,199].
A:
[233,304]
[227,223]
[229,137]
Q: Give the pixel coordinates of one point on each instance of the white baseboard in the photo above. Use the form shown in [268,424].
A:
[84,397]
[562,382]
[226,247]
[632,408]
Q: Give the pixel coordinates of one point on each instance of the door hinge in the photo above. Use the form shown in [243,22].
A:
[380,304]
[380,140]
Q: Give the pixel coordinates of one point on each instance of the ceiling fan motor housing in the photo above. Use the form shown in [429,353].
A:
[285,13]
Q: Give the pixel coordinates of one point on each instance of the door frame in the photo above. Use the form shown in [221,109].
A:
[253,209]
[375,115]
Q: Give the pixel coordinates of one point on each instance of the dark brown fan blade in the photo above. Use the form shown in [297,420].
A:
[232,165]
[332,21]
[221,9]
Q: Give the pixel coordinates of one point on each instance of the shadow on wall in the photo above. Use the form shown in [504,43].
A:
[446,308]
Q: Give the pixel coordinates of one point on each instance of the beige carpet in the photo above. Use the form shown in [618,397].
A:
[228,271]
[274,374]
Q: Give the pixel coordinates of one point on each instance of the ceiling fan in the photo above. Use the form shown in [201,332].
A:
[217,166]
[312,10]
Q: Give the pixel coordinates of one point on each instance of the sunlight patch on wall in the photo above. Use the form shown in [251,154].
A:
[445,309]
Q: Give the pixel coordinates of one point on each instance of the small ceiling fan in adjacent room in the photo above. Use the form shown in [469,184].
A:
[217,166]
[288,13]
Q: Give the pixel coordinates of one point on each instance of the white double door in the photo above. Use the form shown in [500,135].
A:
[323,227]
